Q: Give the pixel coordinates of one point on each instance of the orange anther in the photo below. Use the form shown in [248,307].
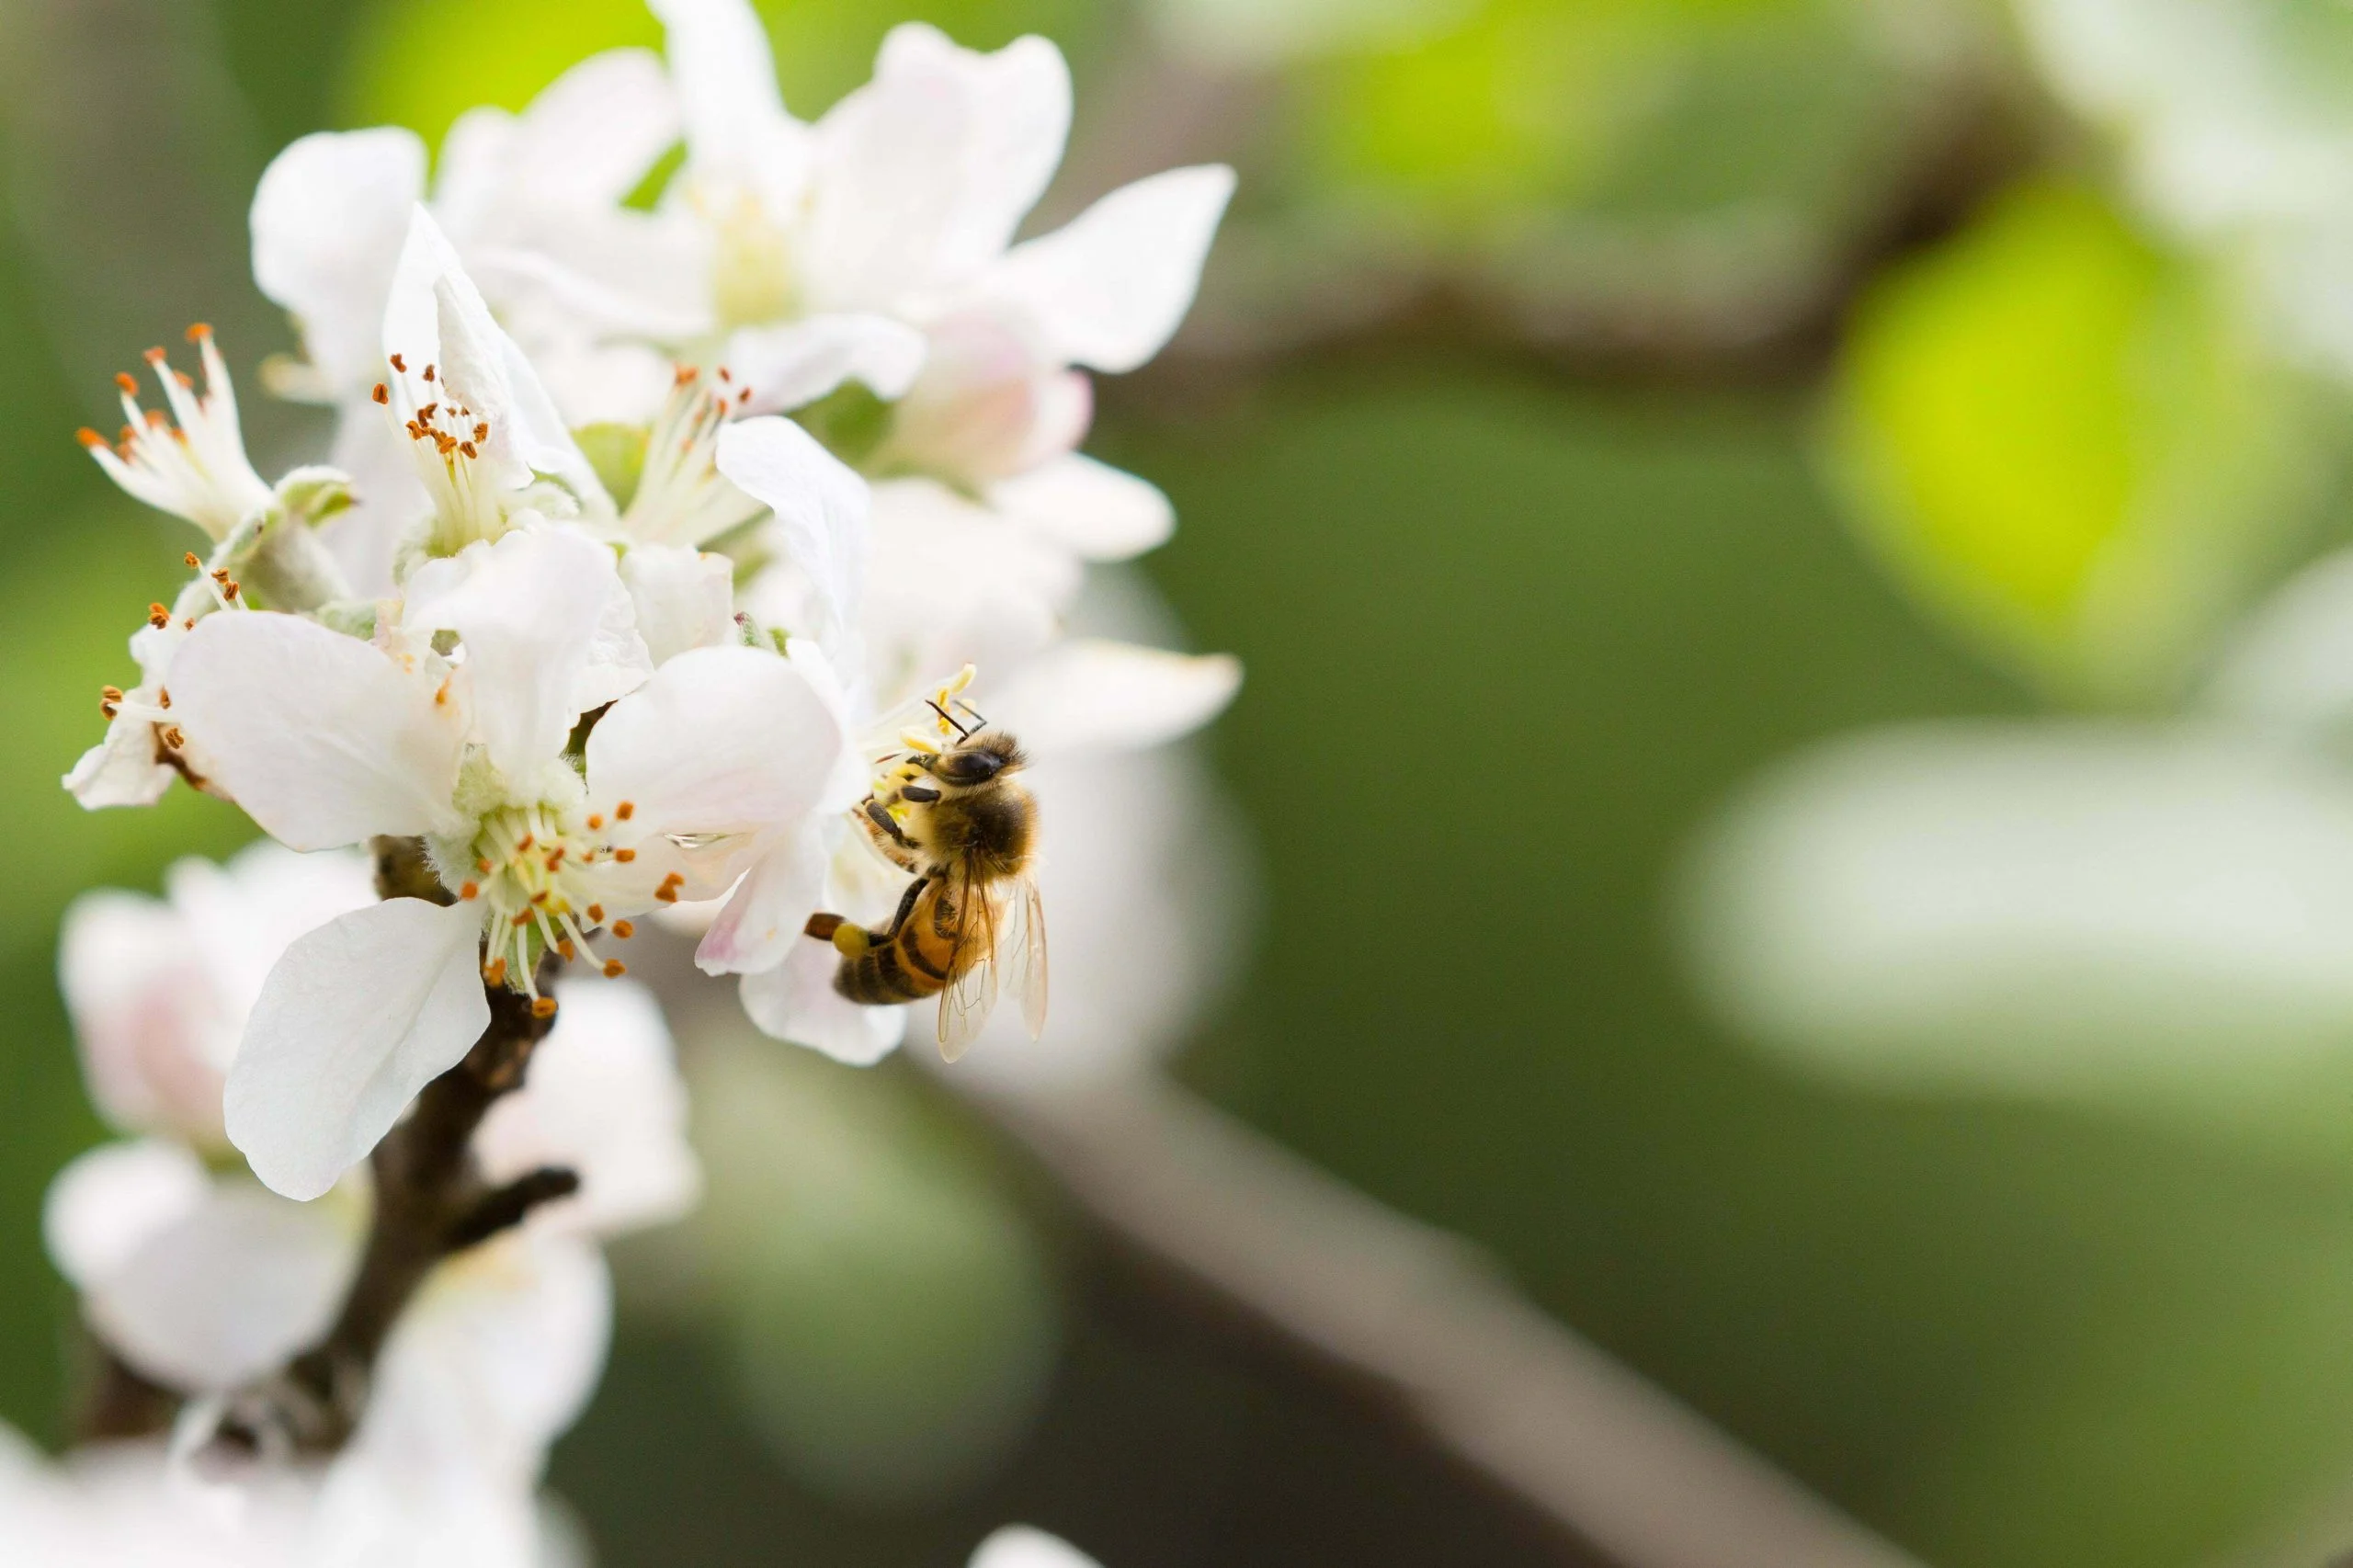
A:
[615,969]
[190,559]
[111,693]
[470,891]
[158,616]
[199,332]
[597,913]
[89,437]
[624,856]
[625,810]
[154,356]
[594,822]
[495,972]
[127,383]
[383,392]
[400,364]
[428,372]
[567,949]
[543,1007]
[624,929]
[524,842]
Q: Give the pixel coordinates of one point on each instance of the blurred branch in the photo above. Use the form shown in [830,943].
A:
[1742,293]
[1604,1454]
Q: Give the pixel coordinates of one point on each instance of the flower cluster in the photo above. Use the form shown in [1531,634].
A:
[658,534]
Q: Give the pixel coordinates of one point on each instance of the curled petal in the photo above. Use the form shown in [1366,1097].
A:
[821,512]
[327,221]
[357,1017]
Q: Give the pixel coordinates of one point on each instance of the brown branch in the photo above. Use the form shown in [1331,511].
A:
[431,1203]
[1425,1324]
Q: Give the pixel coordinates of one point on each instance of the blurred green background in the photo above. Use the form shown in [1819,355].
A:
[1591,402]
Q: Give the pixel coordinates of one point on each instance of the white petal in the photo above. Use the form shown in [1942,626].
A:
[241,916]
[1085,694]
[801,361]
[155,1032]
[683,598]
[1109,289]
[435,315]
[764,915]
[357,1017]
[549,633]
[2065,908]
[795,1001]
[387,496]
[111,1201]
[121,770]
[737,130]
[954,583]
[585,142]
[605,1099]
[496,1356]
[821,514]
[230,1290]
[1087,507]
[721,741]
[968,145]
[327,221]
[321,739]
[1018,1545]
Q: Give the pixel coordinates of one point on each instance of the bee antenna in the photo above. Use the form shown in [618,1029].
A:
[948,719]
[978,722]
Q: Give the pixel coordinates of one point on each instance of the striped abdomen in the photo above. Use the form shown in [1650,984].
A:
[914,964]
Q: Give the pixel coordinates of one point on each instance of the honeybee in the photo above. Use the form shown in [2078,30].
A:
[954,817]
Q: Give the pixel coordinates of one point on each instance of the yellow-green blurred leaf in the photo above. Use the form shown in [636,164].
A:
[423,62]
[2067,443]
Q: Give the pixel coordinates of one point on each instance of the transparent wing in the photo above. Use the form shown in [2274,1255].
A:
[1021,951]
[965,1005]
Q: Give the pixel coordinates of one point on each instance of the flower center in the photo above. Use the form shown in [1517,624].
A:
[542,873]
[752,272]
[681,497]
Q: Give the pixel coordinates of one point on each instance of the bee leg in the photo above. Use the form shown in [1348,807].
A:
[822,926]
[877,814]
[906,906]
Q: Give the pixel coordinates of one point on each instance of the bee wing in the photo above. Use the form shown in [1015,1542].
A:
[971,996]
[1022,952]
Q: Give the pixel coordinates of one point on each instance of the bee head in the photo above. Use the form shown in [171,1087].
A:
[979,759]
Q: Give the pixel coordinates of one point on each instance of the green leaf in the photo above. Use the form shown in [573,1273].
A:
[2068,444]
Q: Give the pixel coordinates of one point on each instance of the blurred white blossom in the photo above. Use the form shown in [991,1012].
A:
[2156,914]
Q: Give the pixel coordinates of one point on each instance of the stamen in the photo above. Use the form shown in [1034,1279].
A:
[471,891]
[624,929]
[625,810]
[543,1007]
[615,969]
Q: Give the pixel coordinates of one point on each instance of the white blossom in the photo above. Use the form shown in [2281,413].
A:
[529,199]
[713,765]
[192,464]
